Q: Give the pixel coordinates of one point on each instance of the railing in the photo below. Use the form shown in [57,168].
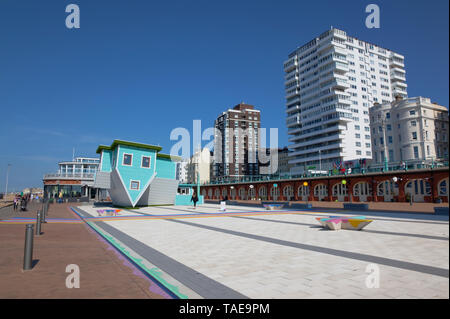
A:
[69,175]
[333,172]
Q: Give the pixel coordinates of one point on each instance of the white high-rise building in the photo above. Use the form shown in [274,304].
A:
[330,84]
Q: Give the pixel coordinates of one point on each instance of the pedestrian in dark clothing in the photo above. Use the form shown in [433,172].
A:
[194,199]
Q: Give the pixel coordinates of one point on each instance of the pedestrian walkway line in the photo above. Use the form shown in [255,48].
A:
[197,215]
[188,277]
[157,276]
[365,230]
[25,220]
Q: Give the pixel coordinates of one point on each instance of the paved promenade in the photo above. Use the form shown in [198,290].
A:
[250,253]
[245,252]
[65,240]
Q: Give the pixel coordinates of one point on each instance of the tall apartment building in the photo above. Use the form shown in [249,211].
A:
[413,130]
[236,142]
[330,84]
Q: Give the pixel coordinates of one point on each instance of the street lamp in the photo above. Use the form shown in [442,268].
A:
[320,162]
[305,184]
[385,146]
[7,175]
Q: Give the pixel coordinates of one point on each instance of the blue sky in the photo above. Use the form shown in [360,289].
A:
[135,70]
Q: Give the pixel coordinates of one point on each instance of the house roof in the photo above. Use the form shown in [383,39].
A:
[127,143]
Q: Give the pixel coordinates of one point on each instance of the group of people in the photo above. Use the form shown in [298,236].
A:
[22,201]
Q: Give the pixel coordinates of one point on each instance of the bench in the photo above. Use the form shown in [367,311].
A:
[344,222]
[300,206]
[353,206]
[273,206]
[108,212]
[441,210]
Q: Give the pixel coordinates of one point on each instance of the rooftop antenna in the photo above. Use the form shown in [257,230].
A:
[73,154]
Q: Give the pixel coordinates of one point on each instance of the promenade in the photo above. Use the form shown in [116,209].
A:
[65,240]
[244,252]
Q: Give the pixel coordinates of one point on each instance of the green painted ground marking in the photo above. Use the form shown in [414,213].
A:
[154,272]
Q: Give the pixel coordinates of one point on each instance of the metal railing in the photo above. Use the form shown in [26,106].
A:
[69,175]
[396,166]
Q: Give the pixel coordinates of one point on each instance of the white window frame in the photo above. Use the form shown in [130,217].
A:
[123,159]
[150,161]
[139,185]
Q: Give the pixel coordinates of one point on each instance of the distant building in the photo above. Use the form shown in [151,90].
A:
[136,174]
[276,161]
[182,171]
[198,167]
[237,142]
[411,130]
[74,179]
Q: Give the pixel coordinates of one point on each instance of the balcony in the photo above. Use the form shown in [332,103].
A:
[290,65]
[291,79]
[396,63]
[293,108]
[340,66]
[88,176]
[329,138]
[399,70]
[291,93]
[397,77]
[292,122]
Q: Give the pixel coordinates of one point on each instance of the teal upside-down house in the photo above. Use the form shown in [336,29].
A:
[136,174]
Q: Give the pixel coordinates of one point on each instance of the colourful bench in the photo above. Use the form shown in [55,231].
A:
[108,212]
[344,222]
[273,206]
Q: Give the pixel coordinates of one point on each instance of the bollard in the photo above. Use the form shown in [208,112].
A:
[38,224]
[28,251]
[43,217]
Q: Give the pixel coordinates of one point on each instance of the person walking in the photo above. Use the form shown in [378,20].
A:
[16,202]
[194,199]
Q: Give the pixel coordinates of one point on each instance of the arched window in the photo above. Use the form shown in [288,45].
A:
[288,192]
[340,189]
[362,189]
[443,187]
[242,193]
[262,192]
[320,190]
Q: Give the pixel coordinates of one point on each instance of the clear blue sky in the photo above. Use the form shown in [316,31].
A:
[137,69]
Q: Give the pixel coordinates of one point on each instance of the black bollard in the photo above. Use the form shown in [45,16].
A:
[43,217]
[28,251]
[38,224]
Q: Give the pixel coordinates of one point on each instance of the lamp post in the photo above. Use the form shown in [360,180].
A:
[7,175]
[320,162]
[386,168]
[305,184]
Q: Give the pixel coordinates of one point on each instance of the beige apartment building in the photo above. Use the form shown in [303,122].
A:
[412,130]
